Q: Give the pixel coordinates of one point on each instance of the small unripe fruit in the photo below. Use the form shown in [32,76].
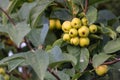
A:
[58,24]
[52,24]
[6,77]
[101,70]
[2,70]
[84,42]
[93,28]
[76,23]
[73,32]
[66,26]
[66,37]
[82,14]
[83,31]
[74,41]
[84,21]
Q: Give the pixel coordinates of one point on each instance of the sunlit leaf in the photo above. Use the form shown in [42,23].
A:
[112,46]
[24,11]
[100,58]
[17,33]
[37,11]
[84,59]
[91,14]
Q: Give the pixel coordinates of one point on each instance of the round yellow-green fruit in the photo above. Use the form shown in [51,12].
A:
[66,37]
[84,21]
[2,70]
[101,70]
[52,23]
[83,31]
[76,23]
[74,41]
[66,26]
[6,77]
[58,24]
[93,28]
[73,32]
[85,41]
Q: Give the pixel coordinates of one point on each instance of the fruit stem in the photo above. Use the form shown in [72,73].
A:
[10,19]
[86,6]
[112,62]
[56,76]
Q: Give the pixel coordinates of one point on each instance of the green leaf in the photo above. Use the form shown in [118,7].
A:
[49,76]
[1,77]
[60,74]
[14,78]
[104,16]
[58,43]
[17,33]
[91,14]
[118,29]
[61,13]
[37,11]
[38,36]
[2,46]
[74,50]
[63,76]
[70,72]
[57,57]
[112,46]
[24,11]
[100,58]
[108,31]
[76,76]
[84,59]
[91,2]
[44,32]
[4,3]
[34,37]
[50,38]
[38,60]
[14,63]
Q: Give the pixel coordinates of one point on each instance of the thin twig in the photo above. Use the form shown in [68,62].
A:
[28,44]
[56,76]
[86,6]
[109,62]
[112,62]
[10,19]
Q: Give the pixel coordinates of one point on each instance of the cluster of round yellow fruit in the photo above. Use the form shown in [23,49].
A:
[3,73]
[54,24]
[76,32]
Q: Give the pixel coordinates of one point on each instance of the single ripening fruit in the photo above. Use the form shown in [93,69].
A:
[84,21]
[84,42]
[52,23]
[2,70]
[66,26]
[93,28]
[101,70]
[83,31]
[66,37]
[6,77]
[74,41]
[58,24]
[73,32]
[76,23]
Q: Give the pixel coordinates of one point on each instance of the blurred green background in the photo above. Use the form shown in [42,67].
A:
[113,5]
